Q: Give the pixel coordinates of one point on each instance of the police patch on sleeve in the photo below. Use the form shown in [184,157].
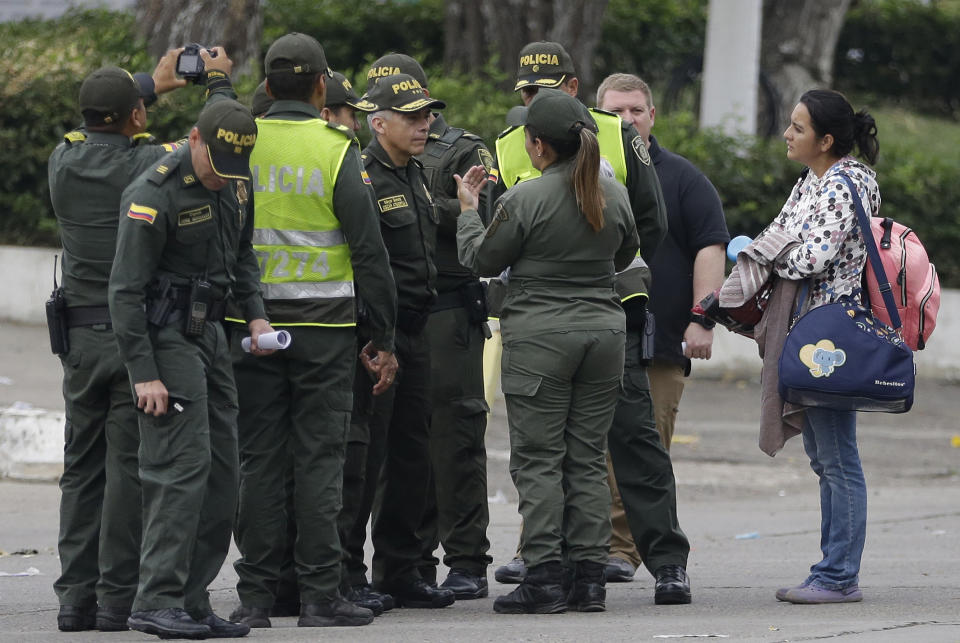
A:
[486,159]
[500,215]
[640,149]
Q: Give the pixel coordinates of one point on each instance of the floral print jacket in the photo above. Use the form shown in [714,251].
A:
[821,214]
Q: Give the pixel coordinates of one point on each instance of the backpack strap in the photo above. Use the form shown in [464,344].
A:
[874,255]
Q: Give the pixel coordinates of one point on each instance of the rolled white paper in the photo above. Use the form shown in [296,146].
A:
[278,339]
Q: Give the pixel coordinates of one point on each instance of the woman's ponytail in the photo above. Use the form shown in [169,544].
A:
[586,178]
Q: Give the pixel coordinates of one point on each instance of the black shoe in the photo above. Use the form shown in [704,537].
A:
[511,573]
[252,617]
[363,600]
[365,592]
[617,570]
[673,586]
[541,592]
[333,613]
[281,610]
[71,618]
[465,586]
[415,592]
[112,619]
[222,629]
[168,623]
[588,593]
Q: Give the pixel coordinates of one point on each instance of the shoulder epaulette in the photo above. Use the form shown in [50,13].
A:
[143,138]
[76,136]
[508,130]
[346,131]
[472,136]
[163,170]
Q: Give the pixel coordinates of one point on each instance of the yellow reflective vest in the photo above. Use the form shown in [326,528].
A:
[306,275]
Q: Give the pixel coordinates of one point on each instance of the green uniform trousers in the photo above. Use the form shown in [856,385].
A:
[294,414]
[188,471]
[644,472]
[456,513]
[99,542]
[561,391]
[394,449]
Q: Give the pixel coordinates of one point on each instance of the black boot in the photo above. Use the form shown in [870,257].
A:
[540,592]
[588,593]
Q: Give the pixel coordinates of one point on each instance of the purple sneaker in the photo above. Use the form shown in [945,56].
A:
[816,595]
[782,592]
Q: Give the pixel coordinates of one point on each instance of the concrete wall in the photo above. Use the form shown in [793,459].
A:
[27,275]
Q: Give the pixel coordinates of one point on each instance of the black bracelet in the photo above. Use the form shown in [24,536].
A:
[698,318]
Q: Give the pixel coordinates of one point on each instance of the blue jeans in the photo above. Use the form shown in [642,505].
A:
[830,440]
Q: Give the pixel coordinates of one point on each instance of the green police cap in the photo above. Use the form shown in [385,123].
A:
[340,92]
[391,64]
[229,133]
[400,93]
[543,64]
[109,94]
[297,53]
[558,116]
[261,100]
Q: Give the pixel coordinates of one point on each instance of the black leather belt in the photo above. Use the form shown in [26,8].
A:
[446,301]
[88,316]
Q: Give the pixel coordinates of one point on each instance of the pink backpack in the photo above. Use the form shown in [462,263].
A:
[912,281]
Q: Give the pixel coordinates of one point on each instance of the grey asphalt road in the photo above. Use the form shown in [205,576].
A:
[753,522]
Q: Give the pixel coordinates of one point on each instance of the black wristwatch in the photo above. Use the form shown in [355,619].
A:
[700,318]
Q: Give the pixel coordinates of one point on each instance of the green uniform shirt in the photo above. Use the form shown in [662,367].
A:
[86,180]
[408,223]
[450,151]
[353,205]
[170,224]
[561,271]
[643,189]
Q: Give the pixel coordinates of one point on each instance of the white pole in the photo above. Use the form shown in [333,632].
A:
[731,66]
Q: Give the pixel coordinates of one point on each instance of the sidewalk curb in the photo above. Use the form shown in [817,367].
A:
[31,443]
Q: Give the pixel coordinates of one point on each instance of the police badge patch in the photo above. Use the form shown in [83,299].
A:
[486,159]
[499,215]
[640,149]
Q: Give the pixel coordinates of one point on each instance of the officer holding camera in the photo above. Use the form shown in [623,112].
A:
[184,246]
[99,511]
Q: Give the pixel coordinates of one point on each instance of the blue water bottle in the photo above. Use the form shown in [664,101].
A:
[736,245]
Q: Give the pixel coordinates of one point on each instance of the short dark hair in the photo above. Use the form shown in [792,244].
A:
[831,113]
[93,121]
[285,85]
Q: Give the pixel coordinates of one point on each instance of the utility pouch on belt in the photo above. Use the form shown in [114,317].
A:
[57,322]
[161,302]
[646,338]
[474,296]
[198,307]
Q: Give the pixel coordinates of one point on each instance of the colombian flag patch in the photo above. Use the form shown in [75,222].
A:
[494,176]
[170,147]
[365,177]
[142,213]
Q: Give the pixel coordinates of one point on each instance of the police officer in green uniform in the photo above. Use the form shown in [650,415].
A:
[457,514]
[99,543]
[649,488]
[562,234]
[340,108]
[396,431]
[316,234]
[184,246]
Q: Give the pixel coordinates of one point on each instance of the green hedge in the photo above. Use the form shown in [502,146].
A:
[902,49]
[47,61]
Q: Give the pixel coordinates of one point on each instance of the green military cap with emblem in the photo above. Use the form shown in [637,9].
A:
[558,116]
[399,93]
[296,53]
[229,133]
[394,63]
[110,94]
[341,92]
[543,64]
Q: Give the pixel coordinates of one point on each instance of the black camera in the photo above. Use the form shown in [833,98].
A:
[190,64]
